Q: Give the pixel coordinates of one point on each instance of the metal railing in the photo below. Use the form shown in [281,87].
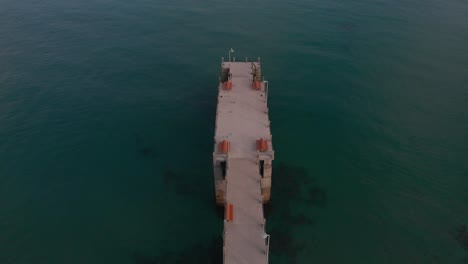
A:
[266,90]
[243,59]
[267,241]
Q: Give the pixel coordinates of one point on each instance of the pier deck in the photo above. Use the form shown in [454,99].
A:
[243,173]
[244,240]
[242,115]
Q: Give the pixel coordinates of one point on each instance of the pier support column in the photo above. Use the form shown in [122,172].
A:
[220,182]
[266,181]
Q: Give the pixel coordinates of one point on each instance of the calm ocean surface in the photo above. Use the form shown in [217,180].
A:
[107,120]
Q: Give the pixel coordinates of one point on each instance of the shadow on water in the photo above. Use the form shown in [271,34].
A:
[461,236]
[147,152]
[293,190]
[200,253]
[295,194]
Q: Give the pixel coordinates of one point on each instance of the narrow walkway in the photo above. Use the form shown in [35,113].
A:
[244,236]
[242,157]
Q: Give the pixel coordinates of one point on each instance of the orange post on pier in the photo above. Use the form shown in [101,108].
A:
[262,145]
[257,85]
[224,146]
[229,212]
[228,85]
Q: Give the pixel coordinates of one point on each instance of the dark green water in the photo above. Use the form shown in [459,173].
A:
[107,120]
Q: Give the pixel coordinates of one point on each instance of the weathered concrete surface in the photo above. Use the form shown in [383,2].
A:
[244,236]
[242,119]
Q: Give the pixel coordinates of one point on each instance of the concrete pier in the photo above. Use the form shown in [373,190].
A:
[242,159]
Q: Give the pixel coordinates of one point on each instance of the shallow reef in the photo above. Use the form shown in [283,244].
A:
[294,194]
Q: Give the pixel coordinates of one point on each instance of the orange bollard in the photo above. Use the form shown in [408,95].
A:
[229,212]
[262,145]
[228,85]
[257,85]
[224,146]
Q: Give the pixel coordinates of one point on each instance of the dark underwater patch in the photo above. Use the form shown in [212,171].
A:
[461,236]
[184,184]
[199,253]
[169,176]
[294,184]
[294,194]
[147,152]
[145,149]
[316,196]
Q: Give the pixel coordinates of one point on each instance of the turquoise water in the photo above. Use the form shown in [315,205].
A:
[107,121]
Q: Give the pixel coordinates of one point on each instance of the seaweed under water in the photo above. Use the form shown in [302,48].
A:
[147,152]
[460,234]
[292,187]
[199,253]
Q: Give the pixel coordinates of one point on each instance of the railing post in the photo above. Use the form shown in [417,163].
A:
[266,91]
[224,254]
[268,248]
